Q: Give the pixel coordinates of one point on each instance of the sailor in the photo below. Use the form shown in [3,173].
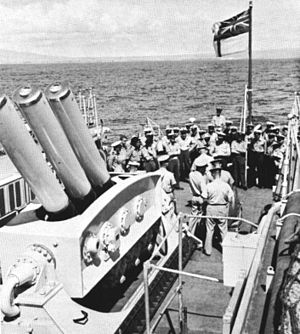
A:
[176,131]
[212,134]
[249,132]
[227,128]
[269,128]
[222,148]
[198,181]
[206,141]
[225,175]
[238,155]
[277,156]
[125,142]
[135,152]
[184,141]
[219,197]
[147,131]
[149,154]
[173,150]
[165,139]
[194,142]
[257,146]
[203,156]
[219,120]
[201,132]
[232,135]
[116,160]
[168,183]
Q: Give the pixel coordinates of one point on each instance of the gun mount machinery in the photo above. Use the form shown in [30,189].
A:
[65,260]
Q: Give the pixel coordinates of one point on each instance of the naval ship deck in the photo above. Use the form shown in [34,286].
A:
[206,301]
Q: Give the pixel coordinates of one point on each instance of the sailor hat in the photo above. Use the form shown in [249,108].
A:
[163,158]
[269,124]
[221,134]
[133,163]
[192,120]
[215,169]
[202,131]
[250,126]
[176,129]
[147,129]
[194,127]
[200,163]
[228,122]
[210,126]
[233,128]
[217,162]
[116,143]
[219,109]
[183,130]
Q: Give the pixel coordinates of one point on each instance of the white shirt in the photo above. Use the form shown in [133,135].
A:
[198,184]
[218,121]
[219,193]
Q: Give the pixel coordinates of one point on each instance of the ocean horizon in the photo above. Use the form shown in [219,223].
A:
[169,92]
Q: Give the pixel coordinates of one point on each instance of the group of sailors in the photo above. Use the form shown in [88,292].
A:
[212,160]
[252,157]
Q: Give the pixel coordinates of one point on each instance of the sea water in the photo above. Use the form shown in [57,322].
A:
[169,92]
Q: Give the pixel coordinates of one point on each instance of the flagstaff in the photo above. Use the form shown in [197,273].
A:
[249,88]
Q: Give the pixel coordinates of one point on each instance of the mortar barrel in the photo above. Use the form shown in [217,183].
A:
[38,113]
[27,157]
[67,111]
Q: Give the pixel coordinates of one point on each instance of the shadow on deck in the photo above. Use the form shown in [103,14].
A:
[206,301]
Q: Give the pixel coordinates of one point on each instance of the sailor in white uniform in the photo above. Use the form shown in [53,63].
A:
[168,183]
[219,197]
[198,180]
[219,120]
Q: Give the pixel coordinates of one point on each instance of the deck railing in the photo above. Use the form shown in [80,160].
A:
[183,229]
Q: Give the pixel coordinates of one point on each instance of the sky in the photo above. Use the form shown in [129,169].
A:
[128,28]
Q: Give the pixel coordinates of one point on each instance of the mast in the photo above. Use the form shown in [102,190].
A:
[249,88]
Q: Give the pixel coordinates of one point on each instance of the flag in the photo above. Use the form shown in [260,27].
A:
[236,25]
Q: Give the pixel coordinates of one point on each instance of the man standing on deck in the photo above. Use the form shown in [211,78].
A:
[198,181]
[219,120]
[219,197]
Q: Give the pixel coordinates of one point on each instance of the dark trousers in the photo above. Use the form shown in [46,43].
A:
[251,177]
[269,172]
[150,166]
[184,164]
[174,167]
[259,167]
[239,165]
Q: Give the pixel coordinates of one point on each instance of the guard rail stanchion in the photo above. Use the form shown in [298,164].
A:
[180,301]
[146,290]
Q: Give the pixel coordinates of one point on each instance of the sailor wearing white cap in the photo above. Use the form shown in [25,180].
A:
[238,154]
[256,168]
[185,143]
[219,120]
[198,180]
[168,183]
[203,150]
[219,197]
[117,158]
[222,147]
